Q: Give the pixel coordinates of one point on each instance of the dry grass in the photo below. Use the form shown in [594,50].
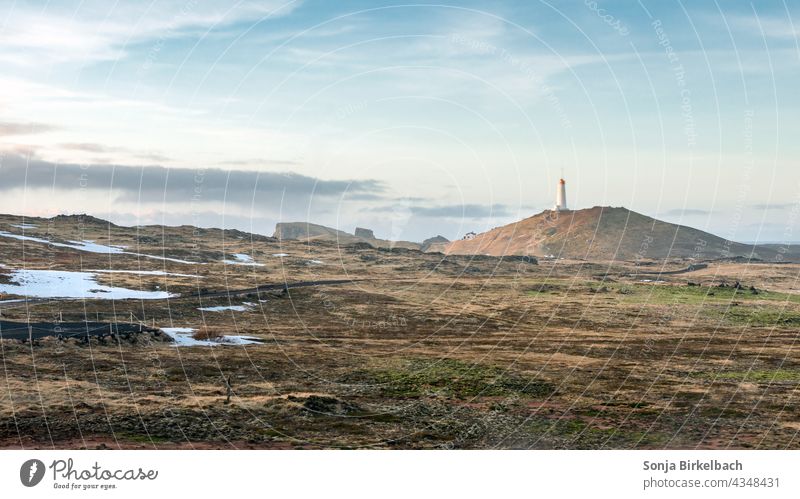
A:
[426,355]
[207,333]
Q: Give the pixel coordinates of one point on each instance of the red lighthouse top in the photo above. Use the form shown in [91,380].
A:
[561,182]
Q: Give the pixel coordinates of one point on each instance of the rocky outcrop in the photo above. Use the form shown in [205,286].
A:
[305,230]
[364,233]
[309,231]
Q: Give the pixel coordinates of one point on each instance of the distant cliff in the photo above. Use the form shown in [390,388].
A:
[314,232]
[305,230]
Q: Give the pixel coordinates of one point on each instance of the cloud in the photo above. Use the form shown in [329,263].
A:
[178,185]
[87,147]
[104,149]
[767,26]
[453,211]
[364,196]
[93,30]
[689,212]
[259,162]
[773,206]
[155,157]
[28,128]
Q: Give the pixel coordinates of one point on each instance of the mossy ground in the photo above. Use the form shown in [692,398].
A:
[442,353]
[453,378]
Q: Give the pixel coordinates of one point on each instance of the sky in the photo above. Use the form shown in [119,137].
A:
[410,119]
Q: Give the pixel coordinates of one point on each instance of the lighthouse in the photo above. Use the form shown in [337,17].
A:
[561,196]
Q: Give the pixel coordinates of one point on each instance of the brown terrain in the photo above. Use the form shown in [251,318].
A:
[607,233]
[413,349]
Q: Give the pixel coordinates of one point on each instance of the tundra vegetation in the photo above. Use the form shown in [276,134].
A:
[419,350]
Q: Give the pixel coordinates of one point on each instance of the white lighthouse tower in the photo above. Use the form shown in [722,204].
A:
[561,196]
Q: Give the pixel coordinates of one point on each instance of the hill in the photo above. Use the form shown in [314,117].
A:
[607,233]
[435,244]
[304,231]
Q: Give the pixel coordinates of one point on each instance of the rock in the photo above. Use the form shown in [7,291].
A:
[364,233]
[359,246]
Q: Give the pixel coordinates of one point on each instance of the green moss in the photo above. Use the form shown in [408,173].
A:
[756,376]
[454,378]
[671,294]
[721,412]
[723,306]
[662,293]
[761,316]
[578,434]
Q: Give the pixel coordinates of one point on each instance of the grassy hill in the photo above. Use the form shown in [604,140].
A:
[606,233]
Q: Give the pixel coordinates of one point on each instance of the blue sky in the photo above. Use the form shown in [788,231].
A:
[413,120]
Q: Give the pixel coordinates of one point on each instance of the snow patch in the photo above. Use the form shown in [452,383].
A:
[146,272]
[280,255]
[242,259]
[65,284]
[183,338]
[92,247]
[24,226]
[164,258]
[223,308]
